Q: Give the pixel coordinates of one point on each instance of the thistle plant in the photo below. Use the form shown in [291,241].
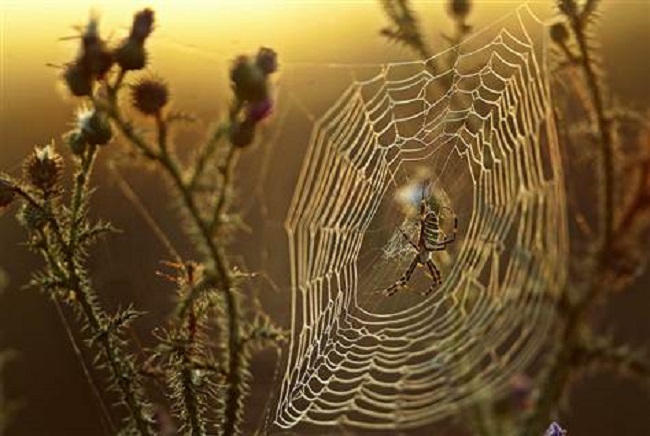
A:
[203,350]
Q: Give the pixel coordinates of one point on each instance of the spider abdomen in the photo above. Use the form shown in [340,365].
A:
[430,231]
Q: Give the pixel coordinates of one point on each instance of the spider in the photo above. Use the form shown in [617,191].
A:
[428,242]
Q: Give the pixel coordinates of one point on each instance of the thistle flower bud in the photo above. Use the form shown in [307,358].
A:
[142,25]
[78,79]
[258,111]
[77,142]
[568,7]
[249,82]
[150,95]
[131,55]
[7,193]
[242,133]
[43,168]
[94,56]
[559,33]
[267,60]
[94,126]
[31,217]
[459,9]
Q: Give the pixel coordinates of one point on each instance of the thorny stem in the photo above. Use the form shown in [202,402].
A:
[234,376]
[205,155]
[189,394]
[228,169]
[187,351]
[124,376]
[604,130]
[79,188]
[83,294]
[621,359]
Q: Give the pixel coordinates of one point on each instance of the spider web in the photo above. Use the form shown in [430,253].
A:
[481,133]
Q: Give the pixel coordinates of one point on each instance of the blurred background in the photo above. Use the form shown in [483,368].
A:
[192,47]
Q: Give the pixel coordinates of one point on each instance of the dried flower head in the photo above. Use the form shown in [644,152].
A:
[559,33]
[43,167]
[94,126]
[242,133]
[131,55]
[77,142]
[249,82]
[142,25]
[94,56]
[31,217]
[267,60]
[7,193]
[150,95]
[459,9]
[568,7]
[78,79]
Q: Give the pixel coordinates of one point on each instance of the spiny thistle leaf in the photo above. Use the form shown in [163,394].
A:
[92,232]
[602,354]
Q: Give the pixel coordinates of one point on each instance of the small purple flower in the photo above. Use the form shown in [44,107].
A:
[555,430]
[258,111]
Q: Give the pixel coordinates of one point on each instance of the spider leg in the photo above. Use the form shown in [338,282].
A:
[402,280]
[452,238]
[436,275]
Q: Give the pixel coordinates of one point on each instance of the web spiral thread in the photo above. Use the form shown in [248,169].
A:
[483,130]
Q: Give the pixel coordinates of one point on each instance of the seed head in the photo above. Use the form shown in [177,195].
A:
[31,217]
[150,95]
[249,81]
[94,126]
[7,193]
[459,9]
[78,79]
[568,7]
[131,55]
[142,25]
[242,133]
[77,142]
[267,60]
[559,33]
[94,56]
[43,168]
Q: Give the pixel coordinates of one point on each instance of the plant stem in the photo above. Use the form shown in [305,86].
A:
[234,394]
[604,131]
[79,188]
[228,170]
[206,153]
[217,259]
[122,373]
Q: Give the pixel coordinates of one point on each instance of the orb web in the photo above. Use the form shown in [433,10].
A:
[480,134]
